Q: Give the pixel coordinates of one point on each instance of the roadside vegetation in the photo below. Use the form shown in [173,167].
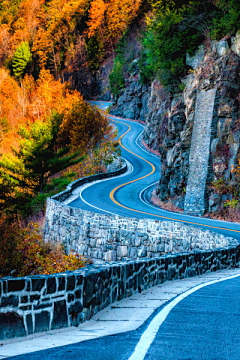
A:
[49,136]
[23,252]
[231,189]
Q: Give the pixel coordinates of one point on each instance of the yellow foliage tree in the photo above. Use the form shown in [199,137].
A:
[119,15]
[96,16]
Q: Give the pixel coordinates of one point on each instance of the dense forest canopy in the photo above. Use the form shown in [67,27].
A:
[54,31]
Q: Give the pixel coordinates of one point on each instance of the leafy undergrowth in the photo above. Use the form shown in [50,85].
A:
[23,252]
[226,214]
[33,208]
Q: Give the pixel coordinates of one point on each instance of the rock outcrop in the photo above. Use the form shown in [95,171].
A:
[133,102]
[169,120]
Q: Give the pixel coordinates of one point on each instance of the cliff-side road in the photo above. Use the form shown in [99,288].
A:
[125,195]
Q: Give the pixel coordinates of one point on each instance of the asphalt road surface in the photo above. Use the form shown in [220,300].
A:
[127,195]
[201,326]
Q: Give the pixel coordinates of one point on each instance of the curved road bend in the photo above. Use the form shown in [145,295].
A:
[199,324]
[125,195]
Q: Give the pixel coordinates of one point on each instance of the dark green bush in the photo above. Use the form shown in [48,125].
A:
[95,52]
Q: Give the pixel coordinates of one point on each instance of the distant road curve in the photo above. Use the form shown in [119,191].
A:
[125,194]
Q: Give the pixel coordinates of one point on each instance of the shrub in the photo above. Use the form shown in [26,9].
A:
[23,252]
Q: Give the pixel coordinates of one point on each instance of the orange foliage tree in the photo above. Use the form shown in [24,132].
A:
[23,252]
[85,128]
[111,17]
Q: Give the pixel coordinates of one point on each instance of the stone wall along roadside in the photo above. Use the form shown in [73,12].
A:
[40,303]
[112,237]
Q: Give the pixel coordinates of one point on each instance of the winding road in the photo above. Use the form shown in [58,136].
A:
[126,195]
[198,318]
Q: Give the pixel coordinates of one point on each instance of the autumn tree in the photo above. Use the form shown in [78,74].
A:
[24,252]
[85,128]
[119,15]
[5,44]
[96,17]
[111,18]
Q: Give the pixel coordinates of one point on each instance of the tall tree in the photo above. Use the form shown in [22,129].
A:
[85,128]
[21,58]
[38,156]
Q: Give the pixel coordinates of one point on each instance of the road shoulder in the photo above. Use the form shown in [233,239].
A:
[121,316]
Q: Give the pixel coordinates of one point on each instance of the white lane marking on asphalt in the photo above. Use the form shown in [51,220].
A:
[188,218]
[144,199]
[143,149]
[129,171]
[150,333]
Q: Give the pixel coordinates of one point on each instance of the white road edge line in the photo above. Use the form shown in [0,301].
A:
[137,142]
[129,171]
[188,217]
[144,200]
[150,333]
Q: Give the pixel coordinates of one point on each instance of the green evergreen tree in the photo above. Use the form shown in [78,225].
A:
[38,156]
[21,58]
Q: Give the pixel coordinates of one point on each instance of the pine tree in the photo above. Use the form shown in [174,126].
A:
[21,58]
[37,156]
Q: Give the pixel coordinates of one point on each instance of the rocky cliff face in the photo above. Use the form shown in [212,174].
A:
[170,118]
[217,71]
[92,85]
[133,102]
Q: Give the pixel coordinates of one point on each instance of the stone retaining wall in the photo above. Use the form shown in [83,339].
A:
[195,199]
[111,237]
[39,303]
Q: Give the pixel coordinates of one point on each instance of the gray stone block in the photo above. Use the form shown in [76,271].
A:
[122,251]
[110,255]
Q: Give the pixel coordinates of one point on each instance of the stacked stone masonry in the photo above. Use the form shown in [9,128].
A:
[195,202]
[108,238]
[40,303]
